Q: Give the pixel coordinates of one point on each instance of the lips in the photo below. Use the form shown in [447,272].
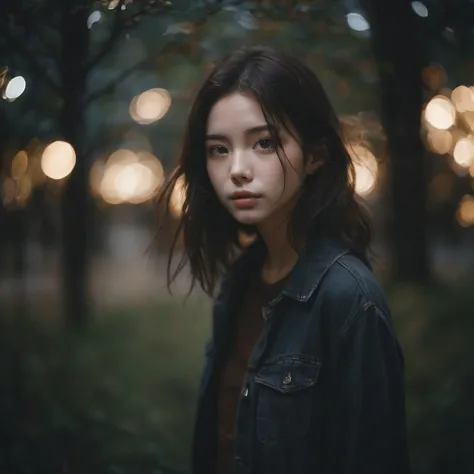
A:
[244,199]
[244,195]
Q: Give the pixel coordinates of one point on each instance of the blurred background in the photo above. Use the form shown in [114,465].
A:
[98,363]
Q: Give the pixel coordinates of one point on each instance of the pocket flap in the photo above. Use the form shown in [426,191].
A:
[289,375]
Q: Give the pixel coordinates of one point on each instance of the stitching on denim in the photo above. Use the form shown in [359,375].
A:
[348,323]
[363,286]
[385,319]
[318,281]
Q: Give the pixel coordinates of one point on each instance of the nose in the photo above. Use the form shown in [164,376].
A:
[240,171]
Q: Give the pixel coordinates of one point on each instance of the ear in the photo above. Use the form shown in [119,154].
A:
[316,158]
[313,165]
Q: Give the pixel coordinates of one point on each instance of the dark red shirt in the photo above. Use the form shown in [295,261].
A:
[248,328]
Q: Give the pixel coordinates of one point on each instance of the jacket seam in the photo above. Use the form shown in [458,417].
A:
[307,296]
[370,301]
[360,281]
[348,323]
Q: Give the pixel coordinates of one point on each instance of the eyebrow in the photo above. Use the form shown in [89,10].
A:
[249,131]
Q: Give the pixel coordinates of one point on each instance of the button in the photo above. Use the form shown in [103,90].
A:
[287,379]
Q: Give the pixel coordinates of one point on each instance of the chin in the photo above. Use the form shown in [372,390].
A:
[247,218]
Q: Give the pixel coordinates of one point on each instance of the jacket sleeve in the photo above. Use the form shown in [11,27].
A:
[366,400]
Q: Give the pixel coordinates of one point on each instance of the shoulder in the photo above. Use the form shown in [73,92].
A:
[350,277]
[350,291]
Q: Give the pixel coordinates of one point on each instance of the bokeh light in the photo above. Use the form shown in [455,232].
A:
[94,17]
[463,99]
[24,188]
[178,197]
[440,141]
[15,192]
[366,168]
[468,119]
[15,88]
[150,106]
[440,113]
[8,192]
[434,76]
[127,177]
[58,160]
[19,164]
[463,152]
[465,212]
[95,176]
[420,9]
[357,22]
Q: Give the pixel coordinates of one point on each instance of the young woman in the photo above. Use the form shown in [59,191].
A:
[303,372]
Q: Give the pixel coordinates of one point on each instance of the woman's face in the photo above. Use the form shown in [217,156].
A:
[243,165]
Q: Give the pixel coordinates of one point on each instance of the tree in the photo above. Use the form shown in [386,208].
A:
[400,58]
[64,63]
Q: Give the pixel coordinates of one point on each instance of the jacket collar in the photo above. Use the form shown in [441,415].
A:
[314,261]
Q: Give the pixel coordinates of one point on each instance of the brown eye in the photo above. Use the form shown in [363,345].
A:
[218,150]
[266,144]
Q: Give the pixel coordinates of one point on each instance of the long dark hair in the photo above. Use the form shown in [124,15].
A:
[289,94]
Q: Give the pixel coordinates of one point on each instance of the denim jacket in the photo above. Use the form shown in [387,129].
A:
[324,388]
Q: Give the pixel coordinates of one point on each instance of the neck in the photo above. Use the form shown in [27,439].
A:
[281,256]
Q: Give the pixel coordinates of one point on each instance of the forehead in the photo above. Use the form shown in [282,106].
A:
[234,112]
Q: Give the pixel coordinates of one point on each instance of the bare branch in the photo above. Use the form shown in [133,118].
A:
[115,33]
[110,87]
[147,62]
[17,44]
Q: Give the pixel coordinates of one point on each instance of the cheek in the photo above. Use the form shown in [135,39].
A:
[286,181]
[215,177]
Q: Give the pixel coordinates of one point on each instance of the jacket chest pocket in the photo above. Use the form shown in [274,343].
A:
[285,390]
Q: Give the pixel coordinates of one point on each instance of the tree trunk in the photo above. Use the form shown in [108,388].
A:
[399,56]
[74,204]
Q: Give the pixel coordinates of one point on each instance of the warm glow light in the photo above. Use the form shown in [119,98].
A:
[15,88]
[129,177]
[8,192]
[434,76]
[463,99]
[440,141]
[465,213]
[468,118]
[58,160]
[154,164]
[24,189]
[178,196]
[357,22]
[150,106]
[122,156]
[440,113]
[16,192]
[463,152]
[95,176]
[19,164]
[366,168]
[127,181]
[107,185]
